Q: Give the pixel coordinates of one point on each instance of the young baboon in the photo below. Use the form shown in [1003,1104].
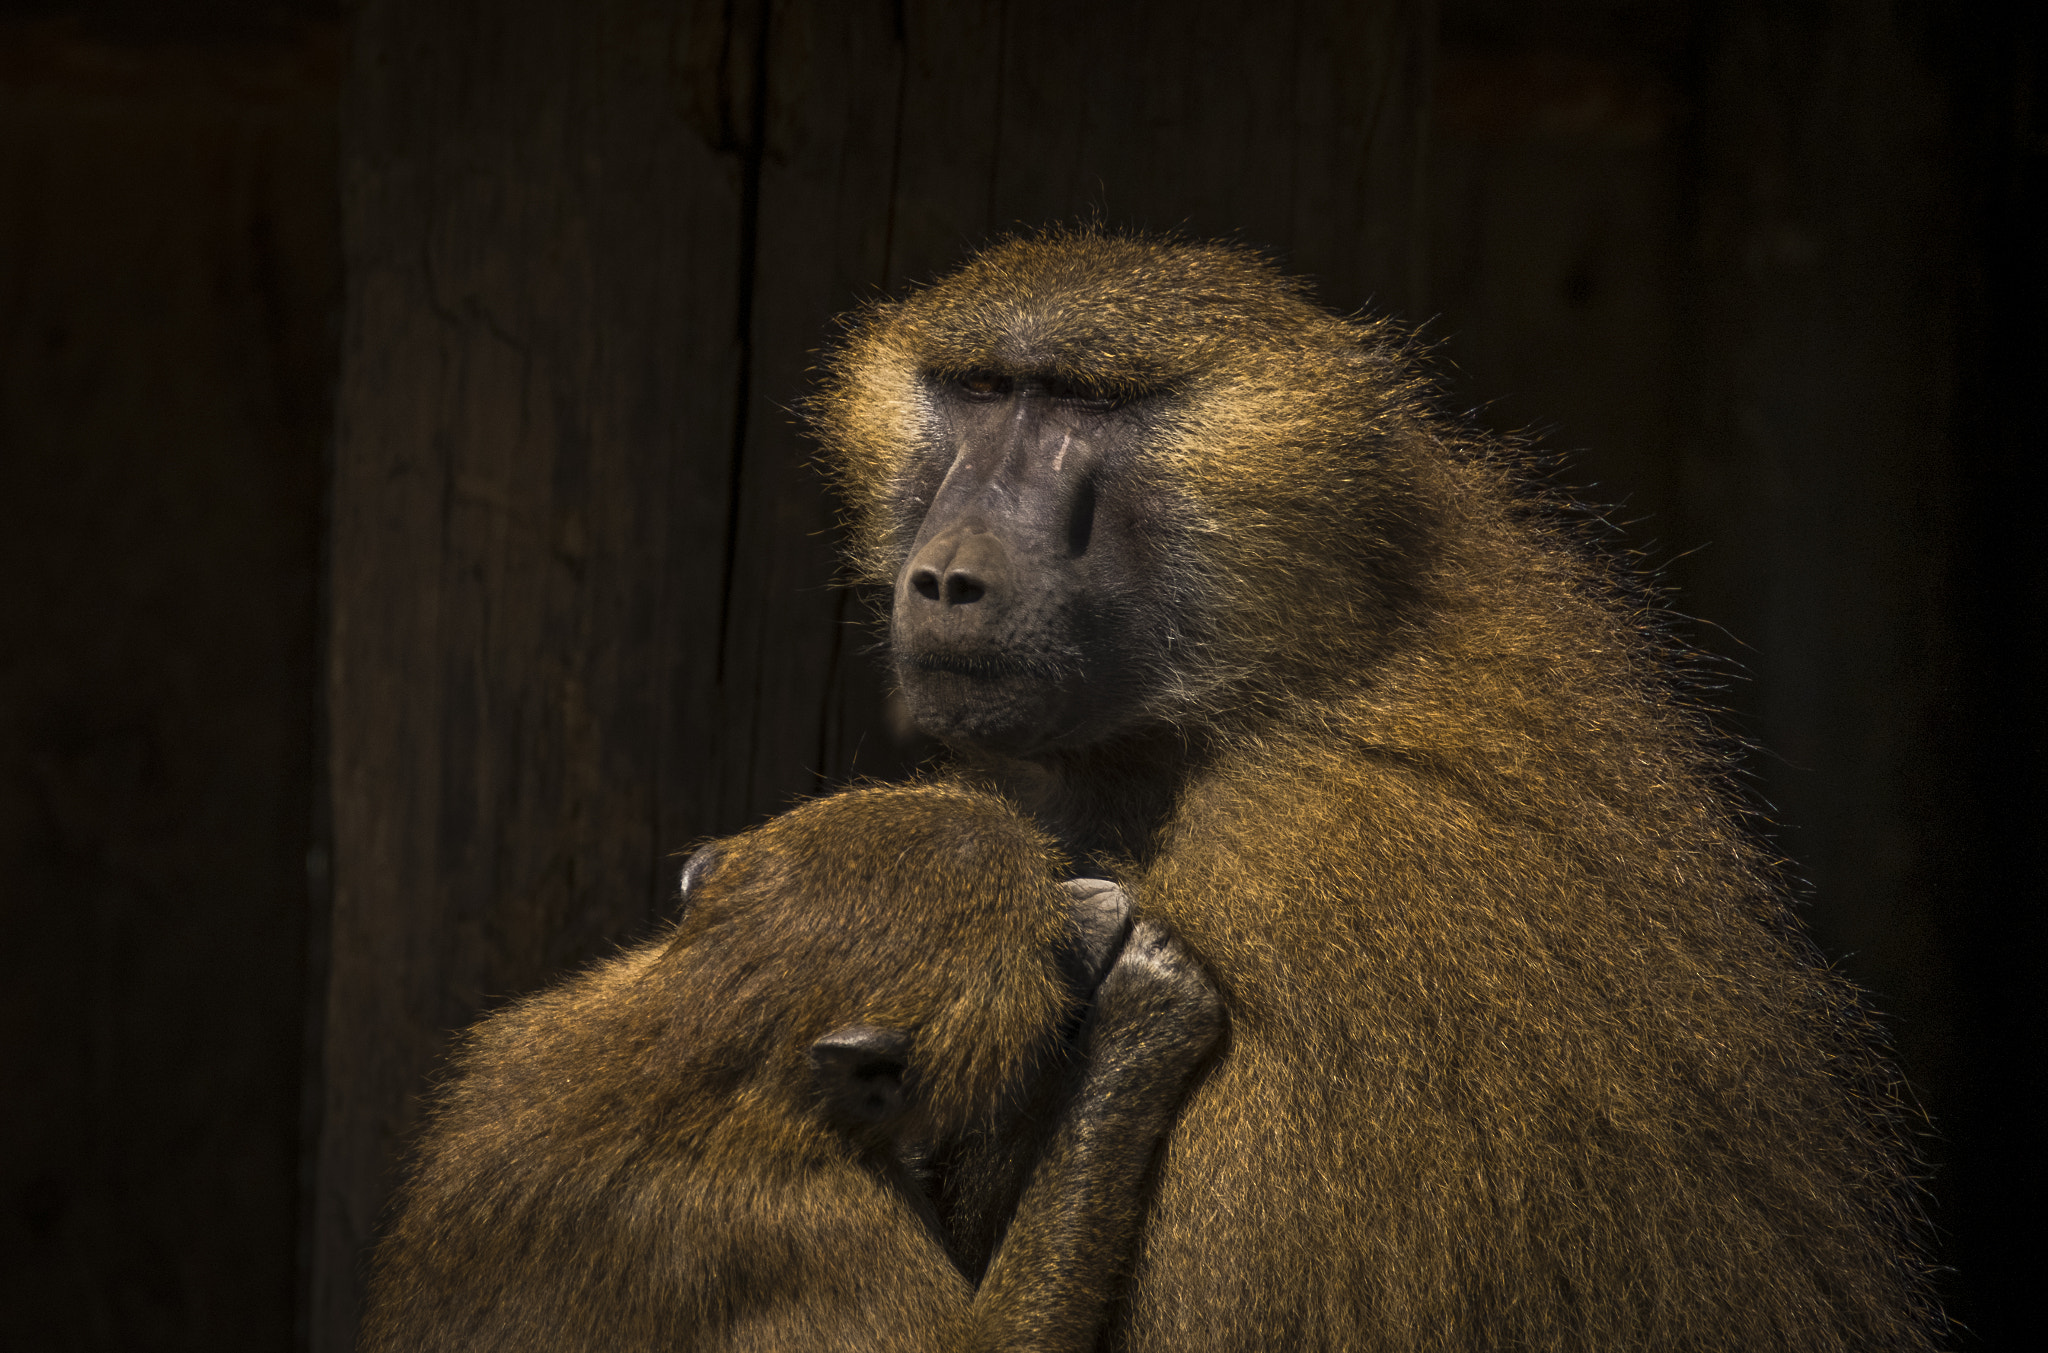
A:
[723,1139]
[1527,1050]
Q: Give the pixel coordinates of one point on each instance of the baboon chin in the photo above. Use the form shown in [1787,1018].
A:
[1527,1049]
[887,1084]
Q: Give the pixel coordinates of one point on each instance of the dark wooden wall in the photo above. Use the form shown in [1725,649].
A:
[169,270]
[1772,274]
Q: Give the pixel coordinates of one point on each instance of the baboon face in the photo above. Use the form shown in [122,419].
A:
[1093,470]
[1026,616]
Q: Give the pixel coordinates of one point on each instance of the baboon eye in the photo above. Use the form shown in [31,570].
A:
[1087,397]
[984,385]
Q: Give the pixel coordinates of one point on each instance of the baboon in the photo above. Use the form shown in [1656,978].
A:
[1527,1050]
[724,1139]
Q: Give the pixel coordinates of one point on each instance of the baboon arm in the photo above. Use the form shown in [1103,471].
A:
[1066,1253]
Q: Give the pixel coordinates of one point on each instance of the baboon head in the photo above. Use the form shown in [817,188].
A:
[902,960]
[1109,481]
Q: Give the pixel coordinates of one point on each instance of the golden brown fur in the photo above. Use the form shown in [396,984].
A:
[637,1158]
[1527,1050]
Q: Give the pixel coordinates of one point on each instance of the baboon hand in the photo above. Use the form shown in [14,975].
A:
[1102,917]
[1157,1001]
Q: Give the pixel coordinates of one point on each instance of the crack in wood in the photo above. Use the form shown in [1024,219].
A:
[753,150]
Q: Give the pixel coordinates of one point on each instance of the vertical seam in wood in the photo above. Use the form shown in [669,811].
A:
[995,151]
[753,154]
[833,689]
[833,684]
[1297,136]
[317,948]
[1422,38]
[896,147]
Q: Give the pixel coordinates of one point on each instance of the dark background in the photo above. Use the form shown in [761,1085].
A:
[404,543]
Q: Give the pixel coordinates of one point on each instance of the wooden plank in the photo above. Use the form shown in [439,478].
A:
[168,239]
[803,697]
[530,490]
[1297,128]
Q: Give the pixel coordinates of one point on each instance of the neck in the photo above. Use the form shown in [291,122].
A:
[1104,804]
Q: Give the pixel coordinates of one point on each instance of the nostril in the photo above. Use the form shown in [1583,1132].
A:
[958,567]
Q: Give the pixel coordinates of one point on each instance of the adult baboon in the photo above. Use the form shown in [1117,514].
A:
[1527,1051]
[724,1139]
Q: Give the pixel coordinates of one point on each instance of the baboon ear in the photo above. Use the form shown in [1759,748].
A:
[697,869]
[859,1073]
